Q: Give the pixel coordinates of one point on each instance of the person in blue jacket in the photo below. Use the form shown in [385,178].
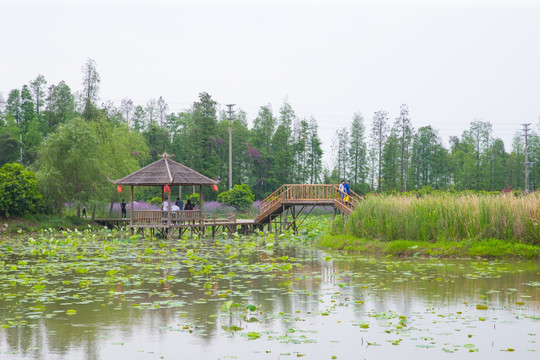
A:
[347,190]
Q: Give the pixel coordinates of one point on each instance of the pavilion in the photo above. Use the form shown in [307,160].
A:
[165,173]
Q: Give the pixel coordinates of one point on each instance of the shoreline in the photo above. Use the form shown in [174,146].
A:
[470,248]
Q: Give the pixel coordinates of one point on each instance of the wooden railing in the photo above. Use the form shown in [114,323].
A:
[304,193]
[141,217]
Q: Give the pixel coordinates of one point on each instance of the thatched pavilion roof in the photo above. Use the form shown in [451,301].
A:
[165,172]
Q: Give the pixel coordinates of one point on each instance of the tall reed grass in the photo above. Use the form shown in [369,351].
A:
[447,217]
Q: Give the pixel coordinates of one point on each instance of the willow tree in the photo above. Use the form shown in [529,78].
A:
[74,161]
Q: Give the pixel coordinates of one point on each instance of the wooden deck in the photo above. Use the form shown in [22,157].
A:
[281,204]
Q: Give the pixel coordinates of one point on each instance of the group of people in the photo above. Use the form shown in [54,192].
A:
[345,190]
[178,205]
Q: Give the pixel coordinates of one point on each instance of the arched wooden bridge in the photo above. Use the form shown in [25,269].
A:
[288,198]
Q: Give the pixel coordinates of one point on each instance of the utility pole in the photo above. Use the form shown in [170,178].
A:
[230,112]
[526,135]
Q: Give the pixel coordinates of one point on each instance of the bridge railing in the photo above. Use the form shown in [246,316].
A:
[272,199]
[148,217]
[308,193]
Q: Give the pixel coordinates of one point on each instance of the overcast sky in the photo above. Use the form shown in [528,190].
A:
[451,63]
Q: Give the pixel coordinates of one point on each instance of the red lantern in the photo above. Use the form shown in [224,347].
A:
[214,187]
[119,188]
[167,189]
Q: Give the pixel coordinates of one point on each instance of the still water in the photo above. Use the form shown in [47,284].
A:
[86,297]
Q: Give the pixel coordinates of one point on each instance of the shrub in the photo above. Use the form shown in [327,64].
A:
[239,197]
[195,198]
[18,191]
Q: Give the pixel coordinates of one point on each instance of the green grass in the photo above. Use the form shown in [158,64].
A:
[34,223]
[454,217]
[485,248]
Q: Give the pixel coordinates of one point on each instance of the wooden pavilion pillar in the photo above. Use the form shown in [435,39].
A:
[201,203]
[169,210]
[131,212]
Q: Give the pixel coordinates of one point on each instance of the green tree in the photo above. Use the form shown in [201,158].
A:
[339,151]
[357,152]
[404,133]
[18,191]
[429,160]
[282,145]
[69,165]
[498,158]
[300,147]
[139,117]
[29,125]
[157,140]
[534,160]
[9,148]
[390,162]
[240,197]
[60,106]
[515,170]
[479,138]
[379,131]
[91,80]
[261,141]
[203,131]
[75,161]
[37,86]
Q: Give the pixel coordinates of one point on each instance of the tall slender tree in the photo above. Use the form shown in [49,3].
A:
[340,149]
[282,145]
[404,132]
[127,108]
[357,151]
[38,90]
[162,108]
[315,152]
[91,80]
[379,134]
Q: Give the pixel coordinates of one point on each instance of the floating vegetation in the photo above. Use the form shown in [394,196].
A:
[240,298]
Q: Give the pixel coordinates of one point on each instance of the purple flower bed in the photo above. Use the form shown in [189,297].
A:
[137,205]
[213,207]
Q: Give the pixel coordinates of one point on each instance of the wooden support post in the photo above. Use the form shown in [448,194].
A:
[169,210]
[131,211]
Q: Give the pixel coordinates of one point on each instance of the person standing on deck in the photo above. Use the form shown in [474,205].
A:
[179,203]
[123,205]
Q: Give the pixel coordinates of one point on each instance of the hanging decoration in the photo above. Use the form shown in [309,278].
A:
[119,188]
[214,187]
[167,189]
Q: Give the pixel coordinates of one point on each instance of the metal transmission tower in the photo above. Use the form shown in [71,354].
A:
[230,112]
[526,135]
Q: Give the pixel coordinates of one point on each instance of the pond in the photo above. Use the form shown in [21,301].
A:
[105,295]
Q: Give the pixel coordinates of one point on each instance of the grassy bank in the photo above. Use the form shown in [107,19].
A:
[33,223]
[442,225]
[445,217]
[485,248]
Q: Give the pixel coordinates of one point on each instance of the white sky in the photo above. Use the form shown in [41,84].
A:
[450,62]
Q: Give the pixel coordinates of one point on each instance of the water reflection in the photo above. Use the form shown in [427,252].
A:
[321,308]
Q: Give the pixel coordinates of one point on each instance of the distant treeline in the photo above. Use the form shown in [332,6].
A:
[73,141]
